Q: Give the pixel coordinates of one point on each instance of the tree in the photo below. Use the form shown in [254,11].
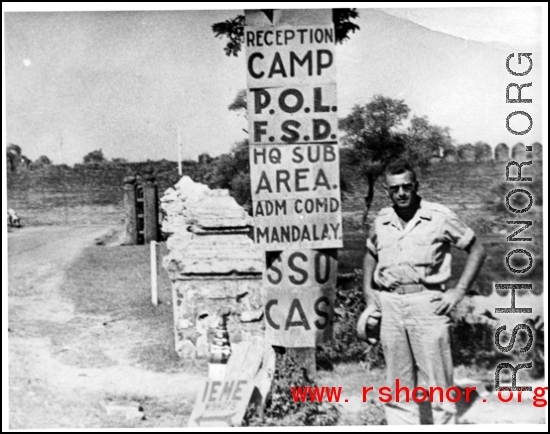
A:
[40,163]
[43,161]
[449,151]
[14,157]
[239,103]
[14,149]
[233,29]
[11,161]
[25,162]
[376,134]
[94,157]
[232,171]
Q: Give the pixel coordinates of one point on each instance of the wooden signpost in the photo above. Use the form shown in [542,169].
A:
[294,169]
[294,172]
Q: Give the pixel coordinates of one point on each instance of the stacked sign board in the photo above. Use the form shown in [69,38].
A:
[294,168]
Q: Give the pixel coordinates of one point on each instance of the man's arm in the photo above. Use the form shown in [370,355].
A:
[369,265]
[451,297]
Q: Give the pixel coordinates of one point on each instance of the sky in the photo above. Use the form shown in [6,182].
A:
[126,81]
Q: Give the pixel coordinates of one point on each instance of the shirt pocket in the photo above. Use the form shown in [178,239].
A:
[388,251]
[421,249]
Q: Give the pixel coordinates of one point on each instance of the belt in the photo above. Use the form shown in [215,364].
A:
[416,287]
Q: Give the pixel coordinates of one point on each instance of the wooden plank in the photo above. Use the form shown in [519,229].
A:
[296,196]
[257,17]
[293,127]
[294,171]
[245,360]
[299,317]
[311,109]
[290,55]
[299,293]
[298,269]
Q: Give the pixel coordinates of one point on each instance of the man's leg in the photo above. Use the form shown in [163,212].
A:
[400,364]
[430,343]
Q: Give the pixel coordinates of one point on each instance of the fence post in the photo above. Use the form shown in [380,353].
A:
[130,208]
[150,208]
[154,273]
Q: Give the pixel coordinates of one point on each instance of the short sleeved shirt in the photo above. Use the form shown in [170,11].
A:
[421,251]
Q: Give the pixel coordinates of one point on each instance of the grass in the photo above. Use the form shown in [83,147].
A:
[352,377]
[115,280]
[112,283]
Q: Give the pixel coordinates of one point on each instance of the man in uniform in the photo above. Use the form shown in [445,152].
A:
[406,266]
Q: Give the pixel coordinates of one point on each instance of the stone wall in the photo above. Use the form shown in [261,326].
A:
[85,193]
[482,152]
[537,151]
[466,152]
[214,266]
[502,152]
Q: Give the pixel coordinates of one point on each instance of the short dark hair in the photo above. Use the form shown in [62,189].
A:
[399,167]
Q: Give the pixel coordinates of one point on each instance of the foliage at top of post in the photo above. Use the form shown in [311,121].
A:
[233,29]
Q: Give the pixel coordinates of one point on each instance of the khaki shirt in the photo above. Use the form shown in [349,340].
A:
[420,252]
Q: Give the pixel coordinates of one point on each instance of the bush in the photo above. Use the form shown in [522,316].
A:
[96,157]
[473,344]
[232,171]
[240,190]
[280,408]
[348,306]
[496,197]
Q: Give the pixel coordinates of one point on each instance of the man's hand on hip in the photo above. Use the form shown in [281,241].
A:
[446,301]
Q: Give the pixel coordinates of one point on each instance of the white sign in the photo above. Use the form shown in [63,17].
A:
[293,127]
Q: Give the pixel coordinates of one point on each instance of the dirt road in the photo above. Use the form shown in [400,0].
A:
[57,382]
